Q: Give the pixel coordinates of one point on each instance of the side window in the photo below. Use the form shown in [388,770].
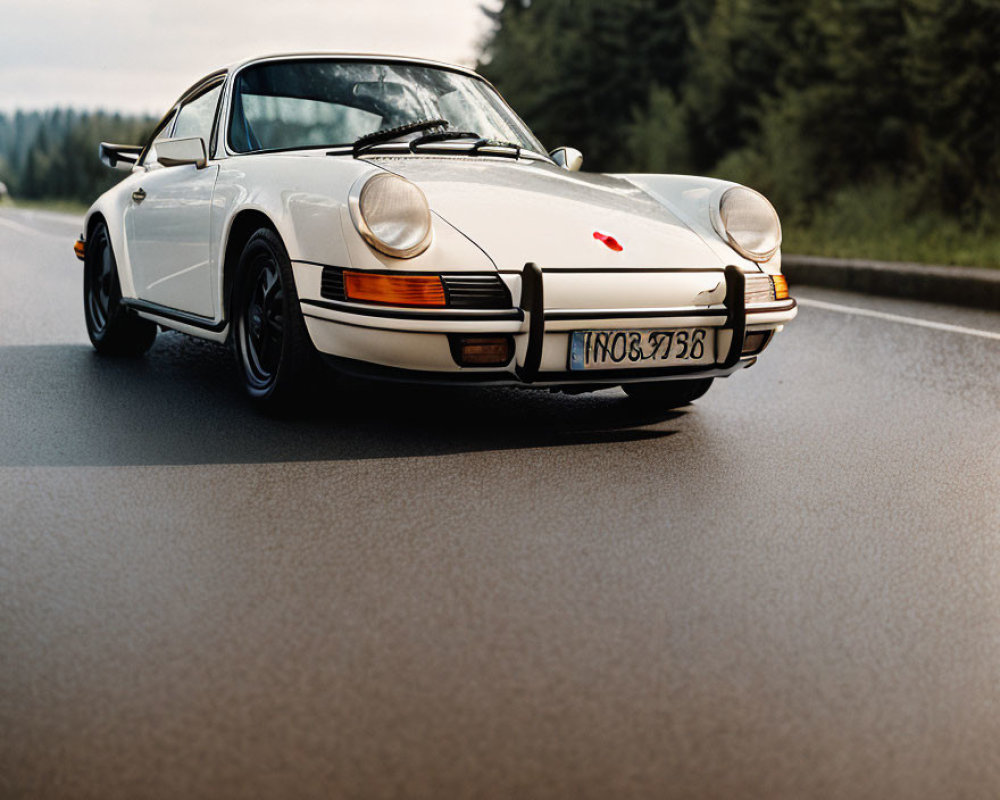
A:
[196,117]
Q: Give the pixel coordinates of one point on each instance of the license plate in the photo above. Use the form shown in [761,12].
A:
[630,349]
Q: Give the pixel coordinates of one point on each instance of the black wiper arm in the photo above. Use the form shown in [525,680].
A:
[442,136]
[486,142]
[363,143]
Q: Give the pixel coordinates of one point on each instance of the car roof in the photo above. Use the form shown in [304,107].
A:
[352,57]
[222,72]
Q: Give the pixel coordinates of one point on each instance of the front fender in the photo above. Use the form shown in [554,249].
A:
[694,200]
[111,207]
[306,198]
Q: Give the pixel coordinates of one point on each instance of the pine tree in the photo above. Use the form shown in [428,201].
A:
[953,59]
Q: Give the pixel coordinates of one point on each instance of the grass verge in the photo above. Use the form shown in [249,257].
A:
[873,224]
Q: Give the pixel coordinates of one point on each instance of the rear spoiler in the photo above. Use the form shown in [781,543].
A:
[119,156]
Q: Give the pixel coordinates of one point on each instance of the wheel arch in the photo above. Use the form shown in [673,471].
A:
[244,224]
[90,224]
[93,221]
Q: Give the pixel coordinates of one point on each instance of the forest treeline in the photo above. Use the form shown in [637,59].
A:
[53,154]
[802,99]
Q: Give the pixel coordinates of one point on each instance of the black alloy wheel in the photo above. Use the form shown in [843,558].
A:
[101,271]
[263,322]
[273,350]
[113,329]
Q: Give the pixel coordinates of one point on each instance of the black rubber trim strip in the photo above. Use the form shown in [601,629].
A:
[571,314]
[397,330]
[772,309]
[400,273]
[394,313]
[373,327]
[174,314]
[613,270]
[532,304]
[736,319]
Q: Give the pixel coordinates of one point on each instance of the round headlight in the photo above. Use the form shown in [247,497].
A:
[392,215]
[749,223]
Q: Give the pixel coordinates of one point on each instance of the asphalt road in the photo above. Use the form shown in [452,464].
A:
[789,590]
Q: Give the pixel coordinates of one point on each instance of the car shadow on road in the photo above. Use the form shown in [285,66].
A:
[63,405]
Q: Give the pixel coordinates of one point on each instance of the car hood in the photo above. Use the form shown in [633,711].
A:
[520,211]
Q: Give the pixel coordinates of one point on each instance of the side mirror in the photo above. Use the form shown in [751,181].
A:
[119,156]
[177,152]
[569,158]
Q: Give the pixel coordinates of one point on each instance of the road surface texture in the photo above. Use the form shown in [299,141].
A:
[789,590]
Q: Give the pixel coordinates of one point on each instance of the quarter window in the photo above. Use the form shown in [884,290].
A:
[149,156]
[196,117]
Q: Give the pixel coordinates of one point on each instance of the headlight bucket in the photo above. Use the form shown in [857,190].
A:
[748,222]
[392,215]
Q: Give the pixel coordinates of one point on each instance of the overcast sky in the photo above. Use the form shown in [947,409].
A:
[139,55]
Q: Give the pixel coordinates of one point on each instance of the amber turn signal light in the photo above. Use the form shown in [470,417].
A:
[481,351]
[395,290]
[780,287]
[78,248]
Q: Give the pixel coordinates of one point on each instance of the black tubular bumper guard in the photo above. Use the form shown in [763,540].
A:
[533,305]
[736,314]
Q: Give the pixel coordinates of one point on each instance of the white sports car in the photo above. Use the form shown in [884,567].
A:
[396,218]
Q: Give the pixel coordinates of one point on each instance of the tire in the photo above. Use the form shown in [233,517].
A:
[113,329]
[667,394]
[273,352]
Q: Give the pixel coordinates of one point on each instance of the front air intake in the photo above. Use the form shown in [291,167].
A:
[332,284]
[476,291]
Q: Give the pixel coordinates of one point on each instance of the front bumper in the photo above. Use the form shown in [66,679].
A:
[412,344]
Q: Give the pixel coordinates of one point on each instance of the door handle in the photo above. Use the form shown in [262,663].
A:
[139,195]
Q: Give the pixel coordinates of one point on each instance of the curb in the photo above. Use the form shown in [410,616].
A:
[961,286]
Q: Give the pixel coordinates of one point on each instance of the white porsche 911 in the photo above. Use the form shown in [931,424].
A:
[396,218]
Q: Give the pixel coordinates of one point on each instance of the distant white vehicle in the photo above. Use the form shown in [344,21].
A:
[397,218]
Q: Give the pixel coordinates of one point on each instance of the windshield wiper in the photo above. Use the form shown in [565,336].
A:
[480,144]
[369,140]
[442,136]
[486,142]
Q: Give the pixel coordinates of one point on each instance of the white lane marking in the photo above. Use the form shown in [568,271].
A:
[17,226]
[7,222]
[923,323]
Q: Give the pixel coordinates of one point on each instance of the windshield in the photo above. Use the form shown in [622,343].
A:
[325,103]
